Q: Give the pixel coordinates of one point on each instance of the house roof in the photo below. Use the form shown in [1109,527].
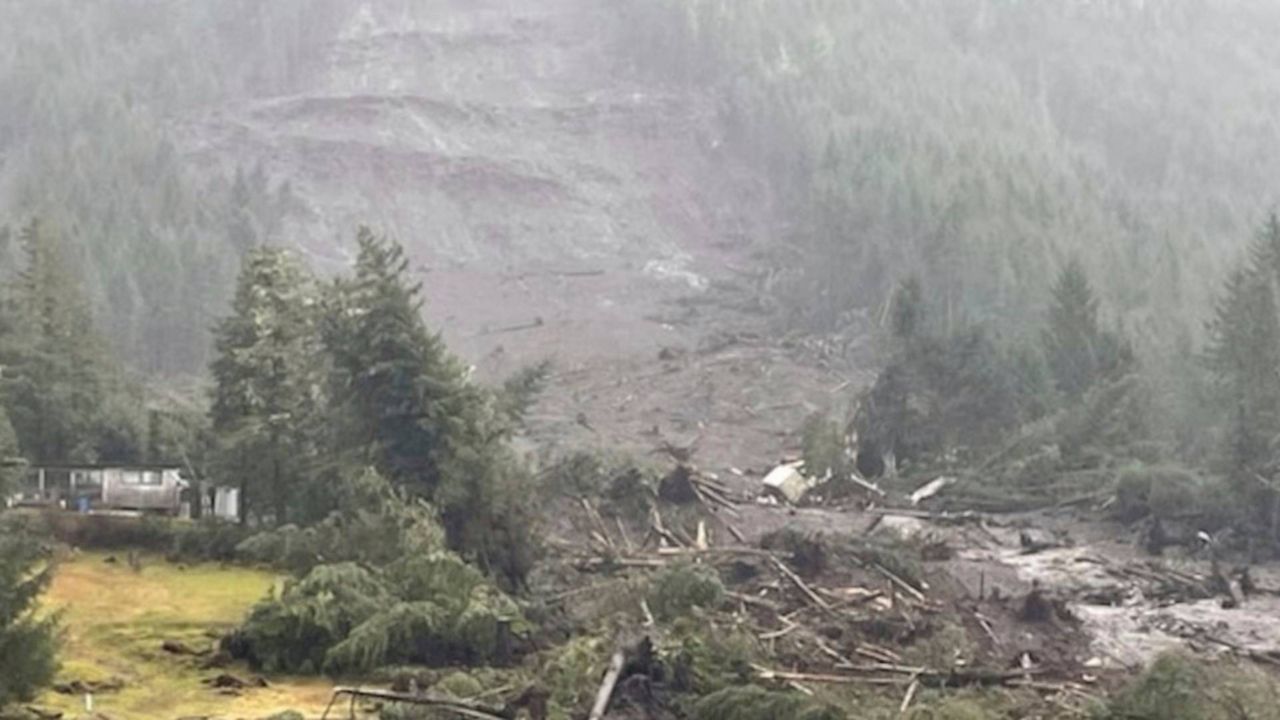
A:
[107,466]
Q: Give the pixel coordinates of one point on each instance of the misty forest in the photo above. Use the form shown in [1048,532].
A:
[640,359]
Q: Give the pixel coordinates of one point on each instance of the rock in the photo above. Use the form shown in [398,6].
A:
[227,681]
[177,647]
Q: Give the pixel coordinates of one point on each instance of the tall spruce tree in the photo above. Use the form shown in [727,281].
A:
[266,387]
[406,405]
[404,396]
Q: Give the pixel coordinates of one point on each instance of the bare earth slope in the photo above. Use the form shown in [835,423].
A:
[555,208]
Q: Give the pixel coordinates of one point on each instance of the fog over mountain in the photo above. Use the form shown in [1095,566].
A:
[832,145]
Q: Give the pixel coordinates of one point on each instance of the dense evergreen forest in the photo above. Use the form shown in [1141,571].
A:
[86,145]
[983,144]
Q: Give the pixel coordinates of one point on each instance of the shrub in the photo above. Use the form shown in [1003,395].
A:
[1179,687]
[1170,492]
[205,540]
[705,659]
[573,673]
[679,589]
[824,449]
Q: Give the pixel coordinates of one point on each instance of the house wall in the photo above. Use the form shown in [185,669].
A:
[133,489]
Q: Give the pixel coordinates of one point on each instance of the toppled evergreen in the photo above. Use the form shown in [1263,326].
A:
[345,618]
[379,588]
[374,524]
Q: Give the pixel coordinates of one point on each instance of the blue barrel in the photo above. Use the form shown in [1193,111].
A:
[82,504]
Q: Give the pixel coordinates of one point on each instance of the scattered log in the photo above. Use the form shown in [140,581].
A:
[649,621]
[465,708]
[598,521]
[754,601]
[869,487]
[930,489]
[605,693]
[911,695]
[985,624]
[537,322]
[942,518]
[905,586]
[804,587]
[954,678]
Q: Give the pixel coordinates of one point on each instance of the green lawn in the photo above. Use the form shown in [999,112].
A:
[115,619]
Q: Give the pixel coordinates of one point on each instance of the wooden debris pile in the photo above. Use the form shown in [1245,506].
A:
[824,612]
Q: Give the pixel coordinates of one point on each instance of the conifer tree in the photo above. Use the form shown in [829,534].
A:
[11,461]
[403,394]
[1078,351]
[406,405]
[66,400]
[28,641]
[1244,354]
[266,392]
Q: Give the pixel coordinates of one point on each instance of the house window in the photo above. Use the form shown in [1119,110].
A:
[151,477]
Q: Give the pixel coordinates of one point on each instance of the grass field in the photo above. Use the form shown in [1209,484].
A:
[115,620]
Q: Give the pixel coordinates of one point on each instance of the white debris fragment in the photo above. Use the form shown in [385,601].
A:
[933,488]
[786,482]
